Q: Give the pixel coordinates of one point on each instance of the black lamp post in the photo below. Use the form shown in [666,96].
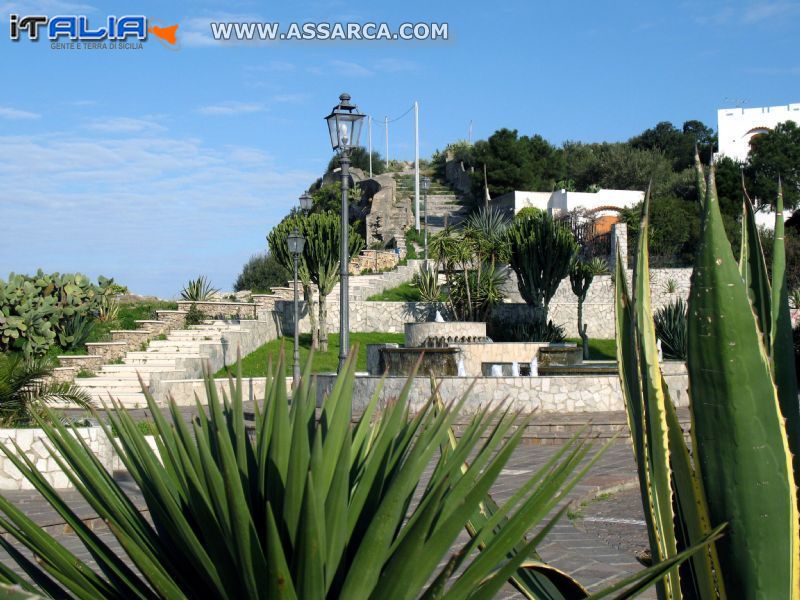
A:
[425,184]
[344,128]
[306,202]
[296,242]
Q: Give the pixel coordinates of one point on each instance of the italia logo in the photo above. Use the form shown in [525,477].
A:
[77,28]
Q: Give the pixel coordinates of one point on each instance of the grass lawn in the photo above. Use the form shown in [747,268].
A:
[405,292]
[255,363]
[599,349]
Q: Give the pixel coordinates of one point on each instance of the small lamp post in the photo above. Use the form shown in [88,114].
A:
[296,243]
[306,202]
[344,128]
[425,183]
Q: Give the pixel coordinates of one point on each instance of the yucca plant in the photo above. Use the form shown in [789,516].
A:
[198,290]
[427,282]
[304,506]
[745,416]
[670,322]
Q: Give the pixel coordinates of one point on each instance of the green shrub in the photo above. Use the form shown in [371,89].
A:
[193,316]
[261,273]
[670,323]
[535,328]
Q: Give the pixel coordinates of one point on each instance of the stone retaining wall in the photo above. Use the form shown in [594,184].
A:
[598,309]
[595,393]
[228,310]
[173,319]
[32,443]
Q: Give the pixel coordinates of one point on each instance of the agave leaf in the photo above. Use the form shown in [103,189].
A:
[782,354]
[740,440]
[753,268]
[700,178]
[654,402]
[693,524]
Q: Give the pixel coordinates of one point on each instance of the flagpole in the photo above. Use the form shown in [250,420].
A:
[416,165]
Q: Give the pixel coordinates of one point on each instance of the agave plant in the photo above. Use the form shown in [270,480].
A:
[670,322]
[26,388]
[198,289]
[304,507]
[745,416]
[427,282]
[76,331]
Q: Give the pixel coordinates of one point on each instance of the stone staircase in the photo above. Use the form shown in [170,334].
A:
[179,355]
[444,205]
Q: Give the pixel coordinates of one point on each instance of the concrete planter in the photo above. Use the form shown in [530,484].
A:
[32,443]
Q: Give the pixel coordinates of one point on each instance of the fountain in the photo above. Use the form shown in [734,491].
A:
[462,349]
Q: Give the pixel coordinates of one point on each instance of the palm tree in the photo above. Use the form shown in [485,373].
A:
[26,388]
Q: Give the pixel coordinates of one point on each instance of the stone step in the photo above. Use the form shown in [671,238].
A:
[118,387]
[149,360]
[148,368]
[161,345]
[195,336]
[128,400]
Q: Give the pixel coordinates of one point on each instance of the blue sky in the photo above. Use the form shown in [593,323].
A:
[154,166]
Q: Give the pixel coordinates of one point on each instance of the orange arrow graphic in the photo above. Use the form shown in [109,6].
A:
[165,33]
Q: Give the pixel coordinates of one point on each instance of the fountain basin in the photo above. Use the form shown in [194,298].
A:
[416,334]
[584,369]
[439,362]
[560,355]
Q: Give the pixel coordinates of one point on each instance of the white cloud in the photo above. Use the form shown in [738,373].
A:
[14,114]
[290,98]
[152,211]
[351,69]
[273,66]
[196,31]
[231,108]
[46,7]
[396,65]
[124,125]
[752,13]
[768,11]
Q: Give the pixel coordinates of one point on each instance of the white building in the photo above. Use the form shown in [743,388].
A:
[560,202]
[737,126]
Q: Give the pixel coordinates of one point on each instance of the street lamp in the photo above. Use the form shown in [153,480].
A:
[425,183]
[296,242]
[344,128]
[306,202]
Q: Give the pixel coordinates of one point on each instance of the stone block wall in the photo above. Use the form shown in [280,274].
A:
[666,285]
[376,260]
[229,310]
[32,443]
[108,351]
[174,319]
[546,394]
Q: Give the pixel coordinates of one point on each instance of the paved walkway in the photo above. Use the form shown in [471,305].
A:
[596,552]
